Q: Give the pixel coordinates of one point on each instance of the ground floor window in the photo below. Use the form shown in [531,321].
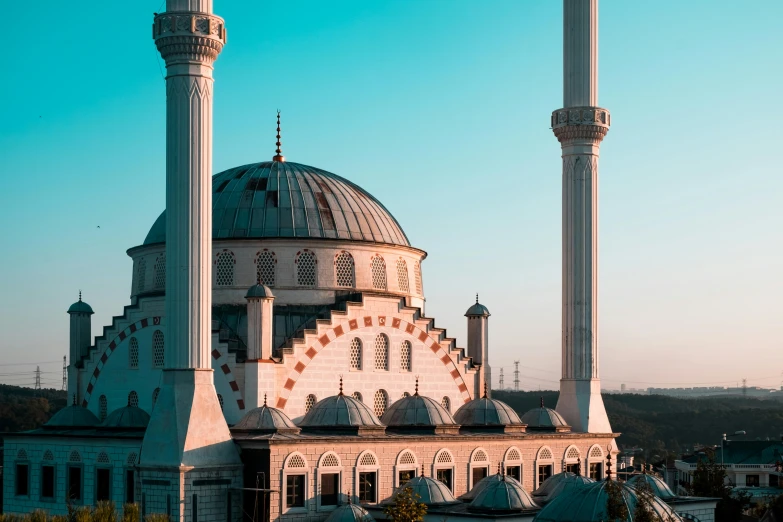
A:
[22,479]
[572,468]
[478,473]
[773,481]
[74,483]
[514,472]
[294,491]
[752,481]
[103,484]
[130,486]
[330,489]
[544,472]
[368,482]
[47,482]
[404,476]
[596,470]
[445,476]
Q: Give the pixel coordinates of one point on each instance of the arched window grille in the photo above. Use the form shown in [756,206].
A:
[310,401]
[306,264]
[103,407]
[357,396]
[381,402]
[381,352]
[266,268]
[220,401]
[160,272]
[344,270]
[378,269]
[133,353]
[158,349]
[356,354]
[141,275]
[405,356]
[103,458]
[402,275]
[133,399]
[446,403]
[224,268]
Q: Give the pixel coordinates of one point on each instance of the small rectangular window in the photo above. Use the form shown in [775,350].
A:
[596,470]
[103,484]
[130,487]
[294,491]
[330,489]
[47,482]
[752,481]
[74,483]
[478,474]
[773,481]
[22,479]
[368,487]
[445,476]
[514,472]
[544,472]
[404,476]
[572,468]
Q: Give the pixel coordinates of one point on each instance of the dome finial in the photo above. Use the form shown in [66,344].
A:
[80,296]
[416,390]
[265,399]
[476,297]
[422,470]
[542,402]
[341,384]
[609,466]
[74,399]
[579,468]
[278,151]
[485,390]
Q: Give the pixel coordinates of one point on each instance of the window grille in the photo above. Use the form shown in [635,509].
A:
[417,275]
[378,269]
[513,454]
[131,461]
[141,275]
[160,272]
[402,275]
[309,402]
[330,461]
[573,453]
[381,352]
[103,458]
[546,453]
[296,461]
[356,354]
[220,400]
[405,356]
[155,394]
[480,456]
[596,452]
[266,265]
[74,457]
[158,349]
[344,270]
[407,458]
[305,268]
[368,459]
[444,457]
[21,455]
[133,353]
[48,455]
[380,403]
[224,268]
[103,408]
[133,399]
[357,396]
[446,403]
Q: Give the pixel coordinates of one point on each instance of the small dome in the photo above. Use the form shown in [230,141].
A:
[340,412]
[567,485]
[479,486]
[549,485]
[477,309]
[659,488]
[259,291]
[416,411]
[543,418]
[266,420]
[127,417]
[80,307]
[487,412]
[502,496]
[431,492]
[350,513]
[588,504]
[73,416]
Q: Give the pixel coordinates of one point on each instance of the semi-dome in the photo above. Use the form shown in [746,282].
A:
[588,504]
[418,412]
[129,417]
[350,513]
[479,486]
[265,420]
[431,492]
[659,488]
[341,413]
[73,416]
[567,485]
[502,496]
[544,419]
[545,489]
[488,413]
[275,199]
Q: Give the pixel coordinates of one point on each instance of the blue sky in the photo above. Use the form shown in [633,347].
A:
[440,108]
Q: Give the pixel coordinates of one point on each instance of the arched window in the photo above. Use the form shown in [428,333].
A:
[306,264]
[378,268]
[344,270]
[160,272]
[103,458]
[310,401]
[443,468]
[406,468]
[367,471]
[48,455]
[133,399]
[405,356]
[545,466]
[74,457]
[329,480]
[479,467]
[358,396]
[402,275]
[220,401]
[103,408]
[381,352]
[224,268]
[131,460]
[381,402]
[133,353]
[446,403]
[295,475]
[266,268]
[155,394]
[356,354]
[571,462]
[512,463]
[158,349]
[141,275]
[417,275]
[595,463]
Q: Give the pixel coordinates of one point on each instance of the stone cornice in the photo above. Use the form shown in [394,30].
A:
[189,36]
[580,123]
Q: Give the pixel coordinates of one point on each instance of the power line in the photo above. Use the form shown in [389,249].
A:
[29,363]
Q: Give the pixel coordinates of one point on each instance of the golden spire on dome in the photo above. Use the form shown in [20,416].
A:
[278,152]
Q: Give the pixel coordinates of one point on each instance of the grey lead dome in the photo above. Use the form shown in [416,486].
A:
[284,199]
[340,412]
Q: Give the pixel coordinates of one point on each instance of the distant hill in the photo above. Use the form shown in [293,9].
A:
[662,424]
[26,409]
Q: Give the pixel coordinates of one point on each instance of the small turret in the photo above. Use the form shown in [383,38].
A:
[81,329]
[478,343]
[259,322]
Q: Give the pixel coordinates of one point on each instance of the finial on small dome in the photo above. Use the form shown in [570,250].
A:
[476,297]
[485,390]
[542,402]
[416,389]
[579,469]
[609,466]
[278,151]
[265,399]
[350,497]
[422,470]
[498,468]
[74,399]
[80,296]
[341,385]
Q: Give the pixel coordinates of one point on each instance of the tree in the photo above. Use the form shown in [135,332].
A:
[406,507]
[616,510]
[644,512]
[709,479]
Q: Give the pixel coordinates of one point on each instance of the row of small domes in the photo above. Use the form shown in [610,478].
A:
[76,416]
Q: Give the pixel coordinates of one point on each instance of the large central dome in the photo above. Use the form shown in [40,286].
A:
[283,199]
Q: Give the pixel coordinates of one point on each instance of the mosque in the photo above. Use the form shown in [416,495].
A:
[275,361]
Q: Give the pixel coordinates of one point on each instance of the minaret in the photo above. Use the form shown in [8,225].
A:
[81,339]
[580,126]
[187,437]
[478,345]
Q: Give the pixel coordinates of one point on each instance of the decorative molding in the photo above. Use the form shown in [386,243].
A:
[572,123]
[189,36]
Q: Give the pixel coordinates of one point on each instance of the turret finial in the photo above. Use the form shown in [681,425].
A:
[476,297]
[278,151]
[542,402]
[499,470]
[485,390]
[422,470]
[265,399]
[579,469]
[609,466]
[341,384]
[416,389]
[80,296]
[74,399]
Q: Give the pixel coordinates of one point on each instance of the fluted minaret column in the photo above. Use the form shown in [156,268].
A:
[580,126]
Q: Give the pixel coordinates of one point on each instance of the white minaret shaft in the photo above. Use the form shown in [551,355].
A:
[580,126]
[189,38]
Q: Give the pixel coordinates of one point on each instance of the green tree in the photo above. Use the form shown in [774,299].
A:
[644,512]
[616,510]
[406,507]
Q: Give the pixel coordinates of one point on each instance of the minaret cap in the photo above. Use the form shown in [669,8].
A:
[278,152]
[477,310]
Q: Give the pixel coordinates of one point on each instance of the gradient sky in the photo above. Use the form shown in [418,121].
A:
[439,108]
